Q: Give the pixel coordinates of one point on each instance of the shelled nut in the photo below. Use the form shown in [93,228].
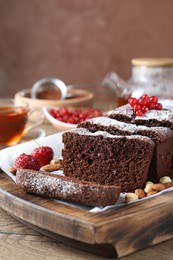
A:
[148,188]
[56,161]
[168,185]
[149,182]
[165,179]
[51,167]
[151,193]
[13,170]
[140,193]
[158,186]
[130,196]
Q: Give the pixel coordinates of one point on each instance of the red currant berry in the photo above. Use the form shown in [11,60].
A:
[137,107]
[143,101]
[158,106]
[145,96]
[132,101]
[139,113]
[144,109]
[151,105]
[71,120]
[153,99]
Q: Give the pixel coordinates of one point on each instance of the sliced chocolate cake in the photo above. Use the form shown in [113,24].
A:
[107,159]
[162,137]
[154,117]
[66,188]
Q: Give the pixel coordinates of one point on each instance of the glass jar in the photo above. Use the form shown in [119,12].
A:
[152,69]
[153,76]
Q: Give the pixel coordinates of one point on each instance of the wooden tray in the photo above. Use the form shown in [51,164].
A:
[113,233]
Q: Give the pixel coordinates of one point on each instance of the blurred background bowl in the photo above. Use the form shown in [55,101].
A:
[77,98]
[83,95]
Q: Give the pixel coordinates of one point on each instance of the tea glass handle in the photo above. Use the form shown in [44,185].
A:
[34,124]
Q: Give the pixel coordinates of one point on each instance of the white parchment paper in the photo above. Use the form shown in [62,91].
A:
[8,155]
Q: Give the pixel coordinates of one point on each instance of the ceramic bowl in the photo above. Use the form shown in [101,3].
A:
[59,125]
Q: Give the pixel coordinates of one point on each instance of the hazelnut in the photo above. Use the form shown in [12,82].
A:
[140,193]
[13,170]
[56,161]
[130,196]
[165,179]
[149,182]
[148,188]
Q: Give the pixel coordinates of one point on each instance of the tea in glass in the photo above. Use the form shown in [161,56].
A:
[13,118]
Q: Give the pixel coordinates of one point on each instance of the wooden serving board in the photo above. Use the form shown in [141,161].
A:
[113,233]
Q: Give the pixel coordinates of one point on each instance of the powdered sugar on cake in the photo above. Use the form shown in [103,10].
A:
[83,131]
[165,113]
[131,128]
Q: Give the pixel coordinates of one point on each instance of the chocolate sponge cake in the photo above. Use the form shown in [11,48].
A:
[162,137]
[154,117]
[162,117]
[107,159]
[65,188]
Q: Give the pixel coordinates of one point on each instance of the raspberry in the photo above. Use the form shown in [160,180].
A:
[44,154]
[26,161]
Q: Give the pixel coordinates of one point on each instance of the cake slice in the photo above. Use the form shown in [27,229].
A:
[66,188]
[154,117]
[161,136]
[107,159]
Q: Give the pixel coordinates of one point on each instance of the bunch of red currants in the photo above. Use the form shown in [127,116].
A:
[74,116]
[144,103]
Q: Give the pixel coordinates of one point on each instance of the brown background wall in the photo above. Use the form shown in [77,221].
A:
[77,40]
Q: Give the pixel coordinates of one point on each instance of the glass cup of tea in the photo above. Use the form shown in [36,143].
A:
[14,120]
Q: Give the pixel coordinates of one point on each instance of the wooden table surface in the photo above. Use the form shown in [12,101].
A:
[17,241]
